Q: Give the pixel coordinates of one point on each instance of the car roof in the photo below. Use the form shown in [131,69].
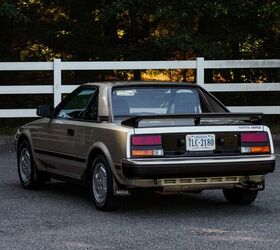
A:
[137,83]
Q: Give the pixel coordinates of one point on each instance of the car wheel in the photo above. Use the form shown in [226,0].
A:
[240,196]
[27,171]
[102,185]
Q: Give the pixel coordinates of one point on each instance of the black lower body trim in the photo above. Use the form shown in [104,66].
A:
[60,155]
[198,170]
[66,178]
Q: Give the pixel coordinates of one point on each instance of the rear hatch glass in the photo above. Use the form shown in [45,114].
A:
[159,100]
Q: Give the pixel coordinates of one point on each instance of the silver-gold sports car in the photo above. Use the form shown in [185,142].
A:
[121,136]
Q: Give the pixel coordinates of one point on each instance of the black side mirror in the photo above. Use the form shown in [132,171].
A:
[45,111]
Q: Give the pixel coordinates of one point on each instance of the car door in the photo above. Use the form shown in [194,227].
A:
[57,143]
[85,133]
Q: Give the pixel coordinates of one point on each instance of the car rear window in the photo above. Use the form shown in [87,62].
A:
[130,101]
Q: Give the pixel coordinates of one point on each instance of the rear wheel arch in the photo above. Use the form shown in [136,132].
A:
[98,148]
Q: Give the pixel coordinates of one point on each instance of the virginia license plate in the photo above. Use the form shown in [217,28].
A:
[200,142]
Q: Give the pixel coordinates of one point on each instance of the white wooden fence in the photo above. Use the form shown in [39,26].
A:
[57,88]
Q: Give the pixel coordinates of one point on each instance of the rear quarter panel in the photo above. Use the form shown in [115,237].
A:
[108,138]
[111,135]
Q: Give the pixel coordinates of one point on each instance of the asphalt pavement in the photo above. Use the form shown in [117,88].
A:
[61,216]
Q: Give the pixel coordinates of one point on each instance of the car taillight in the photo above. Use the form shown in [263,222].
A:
[144,140]
[254,143]
[146,146]
[254,137]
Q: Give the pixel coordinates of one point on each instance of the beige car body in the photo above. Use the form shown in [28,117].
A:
[113,140]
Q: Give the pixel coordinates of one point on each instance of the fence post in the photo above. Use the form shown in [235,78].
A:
[200,71]
[56,82]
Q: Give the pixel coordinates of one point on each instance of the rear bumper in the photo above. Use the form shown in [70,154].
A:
[163,168]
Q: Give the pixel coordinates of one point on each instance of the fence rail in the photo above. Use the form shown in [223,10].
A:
[57,88]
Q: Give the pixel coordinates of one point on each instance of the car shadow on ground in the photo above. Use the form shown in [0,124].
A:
[148,202]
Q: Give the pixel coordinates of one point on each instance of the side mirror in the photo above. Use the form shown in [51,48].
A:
[45,111]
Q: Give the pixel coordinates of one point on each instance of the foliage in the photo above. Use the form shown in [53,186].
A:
[141,29]
[41,30]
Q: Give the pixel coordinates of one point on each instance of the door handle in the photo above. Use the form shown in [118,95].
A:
[70,132]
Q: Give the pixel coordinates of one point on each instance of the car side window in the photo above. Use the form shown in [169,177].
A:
[91,113]
[75,107]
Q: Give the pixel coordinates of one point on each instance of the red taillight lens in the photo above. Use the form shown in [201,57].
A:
[144,140]
[146,146]
[254,137]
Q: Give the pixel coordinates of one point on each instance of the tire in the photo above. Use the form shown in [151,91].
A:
[28,174]
[102,185]
[240,196]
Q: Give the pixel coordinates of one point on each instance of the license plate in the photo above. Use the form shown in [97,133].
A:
[201,142]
